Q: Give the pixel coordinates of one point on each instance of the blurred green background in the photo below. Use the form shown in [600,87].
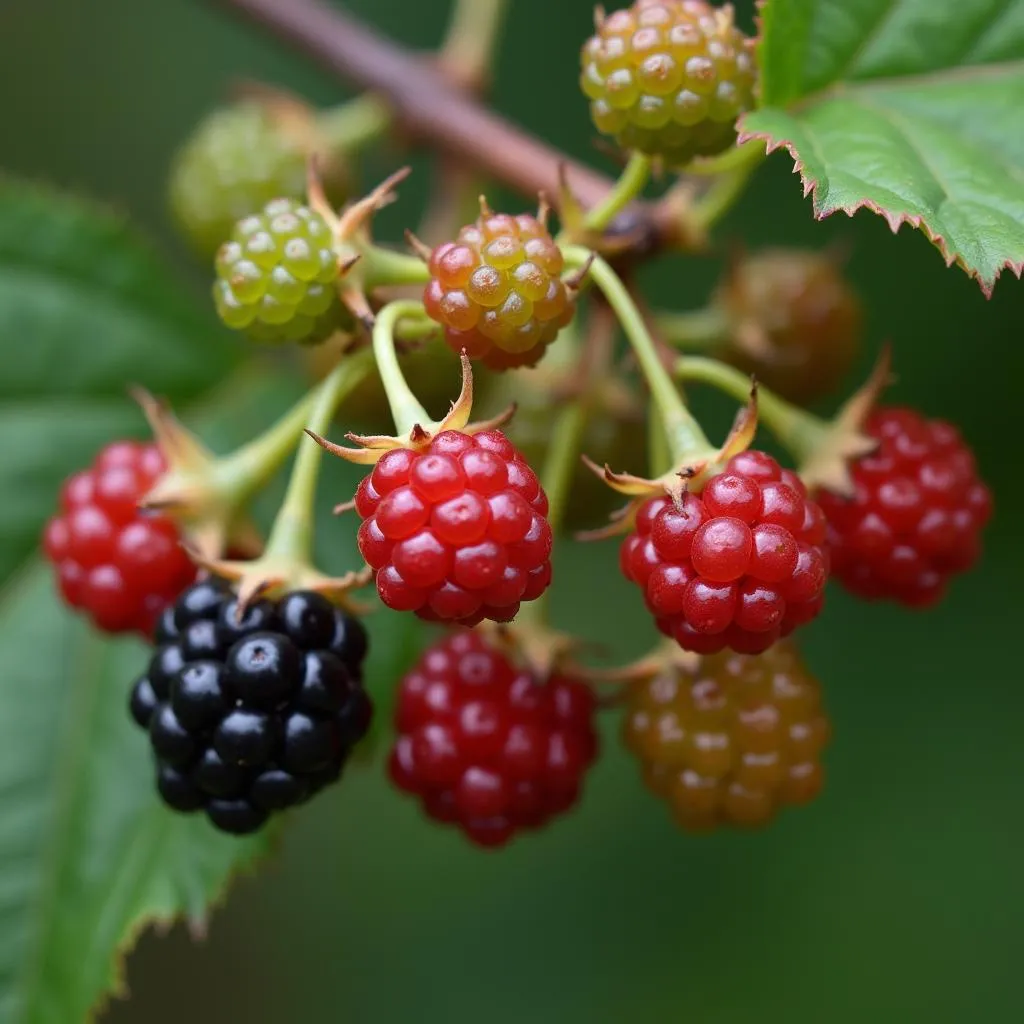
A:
[897,897]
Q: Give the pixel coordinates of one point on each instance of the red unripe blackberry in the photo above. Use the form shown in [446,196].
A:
[731,742]
[669,78]
[277,277]
[916,515]
[484,746]
[793,321]
[118,565]
[456,532]
[736,566]
[497,292]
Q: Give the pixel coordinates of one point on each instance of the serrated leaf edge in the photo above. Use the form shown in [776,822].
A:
[812,188]
[197,924]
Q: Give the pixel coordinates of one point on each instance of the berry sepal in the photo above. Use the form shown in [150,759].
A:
[273,575]
[194,491]
[372,447]
[826,453]
[686,475]
[824,449]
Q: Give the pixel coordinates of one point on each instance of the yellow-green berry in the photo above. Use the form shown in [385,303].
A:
[277,277]
[669,78]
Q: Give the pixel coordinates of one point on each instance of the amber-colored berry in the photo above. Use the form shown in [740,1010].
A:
[497,292]
[277,277]
[487,748]
[916,515]
[792,320]
[118,565]
[431,365]
[238,159]
[669,78]
[731,742]
[737,565]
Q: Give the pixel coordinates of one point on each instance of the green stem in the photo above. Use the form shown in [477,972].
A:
[698,330]
[795,428]
[471,35]
[720,198]
[658,455]
[685,436]
[416,330]
[750,154]
[556,479]
[351,126]
[630,185]
[248,469]
[405,406]
[382,267]
[562,457]
[291,538]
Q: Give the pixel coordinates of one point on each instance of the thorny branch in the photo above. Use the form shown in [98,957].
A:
[433,110]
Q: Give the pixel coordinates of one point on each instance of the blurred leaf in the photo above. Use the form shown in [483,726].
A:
[86,308]
[911,108]
[87,853]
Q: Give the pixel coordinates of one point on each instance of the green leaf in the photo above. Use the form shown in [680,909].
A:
[86,309]
[87,853]
[911,108]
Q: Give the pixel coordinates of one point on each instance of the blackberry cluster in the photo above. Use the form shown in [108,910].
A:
[253,715]
[487,748]
[739,565]
[731,742]
[497,292]
[238,159]
[794,321]
[120,566]
[277,277]
[916,515]
[458,532]
[669,78]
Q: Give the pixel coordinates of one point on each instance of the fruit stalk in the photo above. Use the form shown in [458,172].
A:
[406,409]
[696,330]
[473,29]
[350,126]
[721,197]
[291,538]
[684,434]
[799,431]
[628,188]
[382,268]
[248,469]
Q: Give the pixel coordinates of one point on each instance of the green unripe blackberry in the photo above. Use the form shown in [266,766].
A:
[277,277]
[669,78]
[238,159]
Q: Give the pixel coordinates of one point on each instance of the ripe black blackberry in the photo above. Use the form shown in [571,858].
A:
[251,715]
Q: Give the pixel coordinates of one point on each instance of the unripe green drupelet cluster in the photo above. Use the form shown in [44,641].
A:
[277,277]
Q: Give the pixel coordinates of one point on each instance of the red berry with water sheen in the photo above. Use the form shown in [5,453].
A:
[484,746]
[457,532]
[916,515]
[120,566]
[738,565]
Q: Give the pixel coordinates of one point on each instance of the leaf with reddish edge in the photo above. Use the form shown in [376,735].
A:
[911,108]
